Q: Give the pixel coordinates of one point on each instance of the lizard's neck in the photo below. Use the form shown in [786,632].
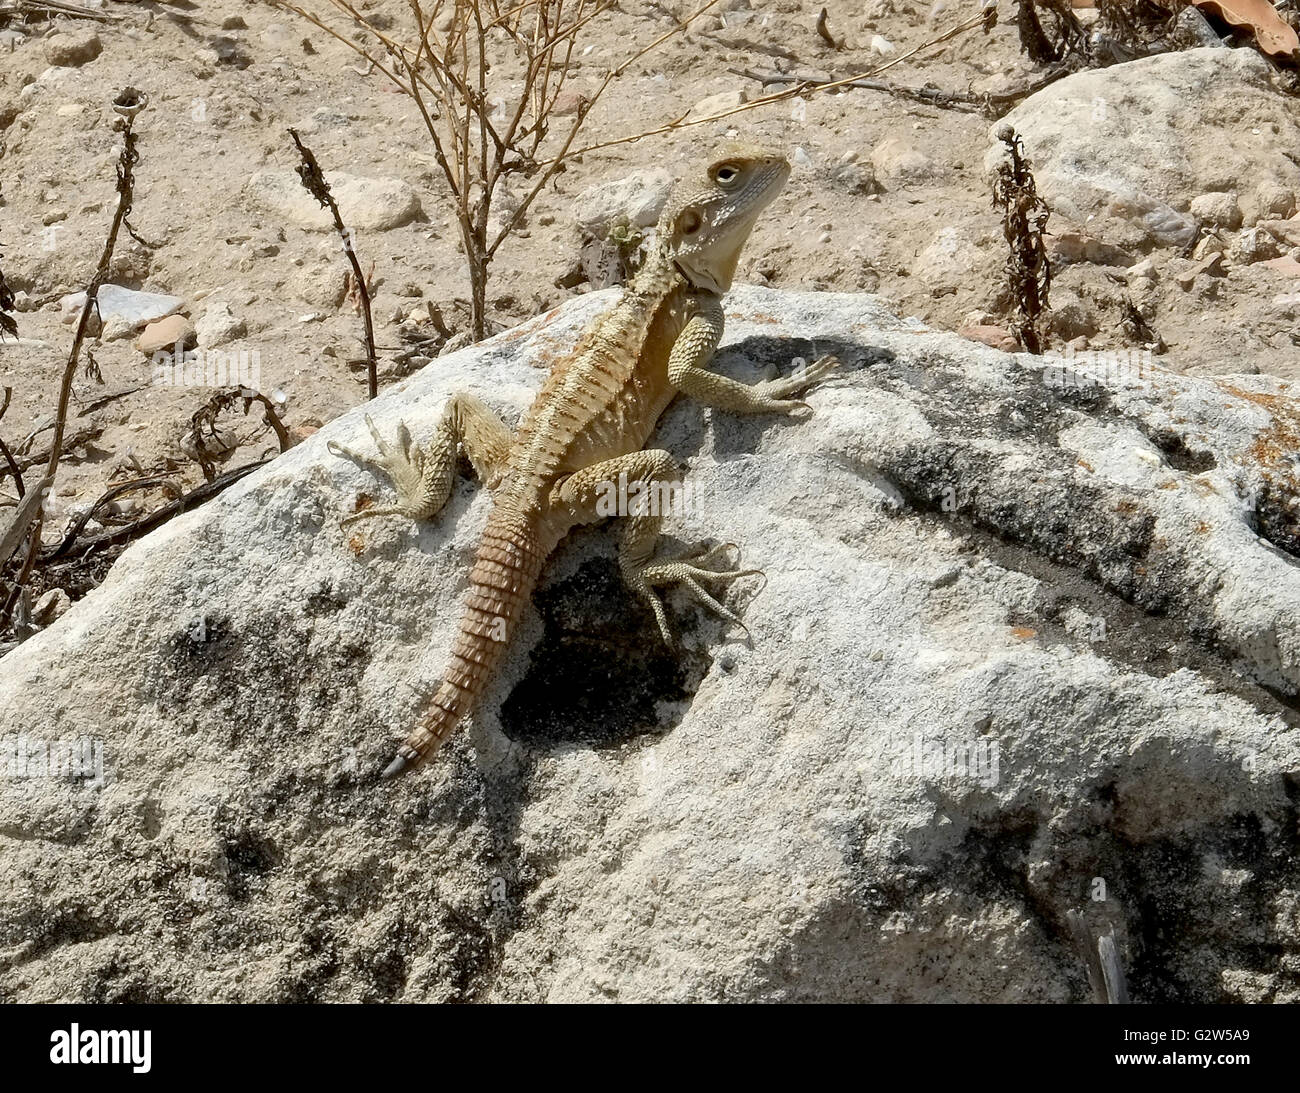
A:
[659,275]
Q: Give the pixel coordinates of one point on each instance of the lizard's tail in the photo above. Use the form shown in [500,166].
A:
[510,557]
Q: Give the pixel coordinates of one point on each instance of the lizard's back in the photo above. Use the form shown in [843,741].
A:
[604,399]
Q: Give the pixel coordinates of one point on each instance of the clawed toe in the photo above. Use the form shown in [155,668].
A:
[371,513]
[781,390]
[702,555]
[401,464]
[682,572]
[821,368]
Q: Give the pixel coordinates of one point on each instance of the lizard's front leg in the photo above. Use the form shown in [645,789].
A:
[695,347]
[423,479]
[587,494]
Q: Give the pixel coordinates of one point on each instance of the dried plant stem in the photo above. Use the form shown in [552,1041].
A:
[799,91]
[479,141]
[125,196]
[314,180]
[30,517]
[157,518]
[13,469]
[1024,221]
[993,104]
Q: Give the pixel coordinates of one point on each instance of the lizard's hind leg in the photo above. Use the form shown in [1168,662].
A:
[423,478]
[594,493]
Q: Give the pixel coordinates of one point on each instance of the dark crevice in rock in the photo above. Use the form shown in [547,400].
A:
[1167,897]
[1122,633]
[838,955]
[248,858]
[251,680]
[1034,408]
[1112,541]
[600,674]
[1277,517]
[759,353]
[324,601]
[120,982]
[40,929]
[1176,452]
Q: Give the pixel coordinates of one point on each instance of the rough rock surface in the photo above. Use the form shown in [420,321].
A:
[639,199]
[1124,150]
[219,325]
[71,49]
[366,204]
[1083,595]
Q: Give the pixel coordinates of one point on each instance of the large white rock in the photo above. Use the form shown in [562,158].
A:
[126,306]
[637,198]
[1123,150]
[1059,588]
[366,204]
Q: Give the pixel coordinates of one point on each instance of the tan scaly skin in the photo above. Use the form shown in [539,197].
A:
[587,427]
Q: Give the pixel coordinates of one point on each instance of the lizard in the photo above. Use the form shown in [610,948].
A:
[588,425]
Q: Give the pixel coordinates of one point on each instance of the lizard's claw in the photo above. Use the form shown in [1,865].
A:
[681,571]
[777,392]
[400,762]
[402,465]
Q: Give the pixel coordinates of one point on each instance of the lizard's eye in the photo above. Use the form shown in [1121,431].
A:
[690,222]
[725,175]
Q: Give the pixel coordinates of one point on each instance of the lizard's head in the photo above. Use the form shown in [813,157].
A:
[710,214]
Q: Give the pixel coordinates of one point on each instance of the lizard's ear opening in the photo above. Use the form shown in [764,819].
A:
[689,222]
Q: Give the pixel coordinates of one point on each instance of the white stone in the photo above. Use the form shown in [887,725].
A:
[219,325]
[719,103]
[366,204]
[1120,149]
[125,305]
[1219,210]
[773,825]
[896,160]
[638,198]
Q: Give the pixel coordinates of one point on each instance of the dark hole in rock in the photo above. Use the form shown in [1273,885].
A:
[248,857]
[600,674]
[1277,517]
[1182,458]
[782,352]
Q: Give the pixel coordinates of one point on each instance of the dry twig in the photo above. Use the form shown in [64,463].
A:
[56,7]
[204,421]
[28,519]
[824,30]
[1024,219]
[313,178]
[994,104]
[485,76]
[987,19]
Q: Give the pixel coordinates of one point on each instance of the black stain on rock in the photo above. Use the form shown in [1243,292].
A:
[601,672]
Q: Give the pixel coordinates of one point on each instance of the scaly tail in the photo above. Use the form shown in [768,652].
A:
[509,559]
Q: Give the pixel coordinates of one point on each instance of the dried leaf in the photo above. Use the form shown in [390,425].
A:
[1275,36]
